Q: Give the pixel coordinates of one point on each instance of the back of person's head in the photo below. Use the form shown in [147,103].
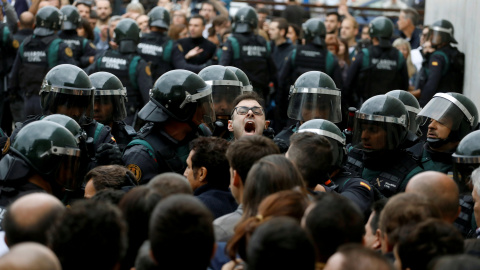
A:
[30,256]
[110,177]
[137,207]
[181,226]
[357,257]
[27,20]
[109,196]
[175,29]
[290,203]
[89,235]
[28,218]
[268,175]
[304,146]
[455,262]
[421,243]
[331,222]
[169,183]
[209,152]
[401,210]
[411,14]
[244,152]
[280,243]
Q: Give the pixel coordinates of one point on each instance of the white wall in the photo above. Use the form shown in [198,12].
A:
[465,17]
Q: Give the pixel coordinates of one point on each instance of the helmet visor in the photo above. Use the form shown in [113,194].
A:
[205,112]
[463,166]
[441,35]
[223,93]
[414,120]
[315,103]
[110,105]
[446,110]
[73,102]
[376,132]
[69,166]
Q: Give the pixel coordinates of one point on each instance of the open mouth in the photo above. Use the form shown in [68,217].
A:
[250,127]
[431,135]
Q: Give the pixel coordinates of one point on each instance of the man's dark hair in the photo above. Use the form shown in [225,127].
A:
[335,14]
[332,222]
[198,16]
[110,177]
[412,14]
[209,3]
[209,152]
[89,235]
[357,257]
[36,232]
[297,29]
[422,243]
[137,206]
[244,152]
[312,155]
[263,11]
[169,183]
[109,195]
[249,96]
[86,3]
[377,208]
[93,14]
[181,224]
[282,25]
[280,243]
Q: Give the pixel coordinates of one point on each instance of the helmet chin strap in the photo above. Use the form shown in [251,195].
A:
[454,136]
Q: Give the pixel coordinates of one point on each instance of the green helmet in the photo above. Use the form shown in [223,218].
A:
[442,32]
[314,30]
[466,159]
[315,96]
[245,20]
[159,17]
[381,28]
[66,89]
[127,36]
[453,110]
[225,88]
[67,123]
[179,94]
[247,86]
[109,91]
[380,124]
[413,108]
[334,135]
[71,17]
[51,150]
[48,20]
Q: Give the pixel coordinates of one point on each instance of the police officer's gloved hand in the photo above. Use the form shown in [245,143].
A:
[108,154]
[282,144]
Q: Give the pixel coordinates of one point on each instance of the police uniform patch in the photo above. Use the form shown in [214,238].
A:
[434,63]
[180,47]
[93,46]
[6,147]
[148,71]
[15,44]
[136,171]
[353,59]
[68,52]
[365,185]
[225,48]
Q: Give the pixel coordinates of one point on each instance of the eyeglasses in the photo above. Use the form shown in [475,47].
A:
[242,110]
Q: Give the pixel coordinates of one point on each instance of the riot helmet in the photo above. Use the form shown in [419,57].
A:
[66,89]
[466,159]
[380,124]
[48,20]
[225,88]
[332,133]
[314,31]
[442,32]
[181,95]
[413,108]
[245,20]
[127,36]
[71,17]
[110,98]
[159,17]
[381,28]
[247,86]
[69,124]
[315,96]
[51,150]
[453,110]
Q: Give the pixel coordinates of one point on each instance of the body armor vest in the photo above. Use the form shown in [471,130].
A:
[156,48]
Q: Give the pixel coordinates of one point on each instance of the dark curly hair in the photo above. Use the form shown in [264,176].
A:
[209,152]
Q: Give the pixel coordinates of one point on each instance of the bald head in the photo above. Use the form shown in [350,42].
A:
[29,217]
[26,20]
[440,190]
[30,256]
[170,183]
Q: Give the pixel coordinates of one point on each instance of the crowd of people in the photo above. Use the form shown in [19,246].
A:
[169,135]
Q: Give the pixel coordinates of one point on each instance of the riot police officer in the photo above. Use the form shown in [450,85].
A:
[156,47]
[109,108]
[7,56]
[250,52]
[378,68]
[242,77]
[380,128]
[444,72]
[225,88]
[313,96]
[83,50]
[36,56]
[341,181]
[180,104]
[128,66]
